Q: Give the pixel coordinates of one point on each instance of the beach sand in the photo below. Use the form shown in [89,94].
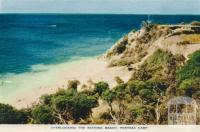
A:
[48,79]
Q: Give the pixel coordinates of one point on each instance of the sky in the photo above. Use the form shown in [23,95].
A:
[101,6]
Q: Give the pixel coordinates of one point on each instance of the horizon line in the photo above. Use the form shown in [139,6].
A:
[94,13]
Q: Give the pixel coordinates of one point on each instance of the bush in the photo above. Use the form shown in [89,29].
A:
[109,96]
[118,80]
[147,95]
[135,86]
[42,115]
[183,43]
[161,63]
[136,112]
[62,103]
[74,107]
[46,99]
[190,83]
[120,91]
[64,92]
[190,86]
[121,46]
[191,69]
[9,115]
[73,84]
[143,114]
[100,87]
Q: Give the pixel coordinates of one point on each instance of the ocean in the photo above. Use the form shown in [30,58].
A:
[30,39]
[27,40]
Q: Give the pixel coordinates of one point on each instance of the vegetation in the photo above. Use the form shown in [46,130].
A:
[101,87]
[10,115]
[141,100]
[191,69]
[195,23]
[183,43]
[191,38]
[121,46]
[118,80]
[189,75]
[42,114]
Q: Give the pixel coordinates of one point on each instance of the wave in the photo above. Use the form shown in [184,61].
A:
[52,26]
[32,25]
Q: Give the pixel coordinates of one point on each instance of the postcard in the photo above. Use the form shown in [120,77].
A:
[99,65]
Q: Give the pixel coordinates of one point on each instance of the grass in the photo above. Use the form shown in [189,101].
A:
[192,38]
[183,43]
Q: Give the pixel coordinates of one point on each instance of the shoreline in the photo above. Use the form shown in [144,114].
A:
[32,85]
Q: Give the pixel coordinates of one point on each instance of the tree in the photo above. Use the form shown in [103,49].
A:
[147,95]
[42,114]
[134,86]
[10,115]
[82,106]
[100,87]
[73,106]
[120,91]
[109,96]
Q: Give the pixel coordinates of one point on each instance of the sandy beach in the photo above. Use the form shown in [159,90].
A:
[48,79]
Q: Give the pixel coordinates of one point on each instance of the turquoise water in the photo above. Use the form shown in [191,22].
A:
[27,40]
[31,39]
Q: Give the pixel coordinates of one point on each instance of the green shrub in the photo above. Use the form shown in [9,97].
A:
[191,69]
[136,112]
[148,95]
[193,83]
[42,114]
[77,106]
[62,103]
[135,86]
[100,87]
[120,91]
[9,115]
[109,96]
[190,86]
[143,114]
[82,106]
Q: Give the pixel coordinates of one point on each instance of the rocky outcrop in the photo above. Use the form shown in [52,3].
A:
[134,48]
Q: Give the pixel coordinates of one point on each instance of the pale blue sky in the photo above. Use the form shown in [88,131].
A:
[101,6]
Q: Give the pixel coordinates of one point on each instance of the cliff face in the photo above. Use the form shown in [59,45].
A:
[164,61]
[137,46]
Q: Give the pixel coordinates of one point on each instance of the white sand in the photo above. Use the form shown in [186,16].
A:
[30,86]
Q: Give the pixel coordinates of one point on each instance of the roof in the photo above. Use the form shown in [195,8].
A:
[182,100]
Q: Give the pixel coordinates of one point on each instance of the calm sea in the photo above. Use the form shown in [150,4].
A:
[31,39]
